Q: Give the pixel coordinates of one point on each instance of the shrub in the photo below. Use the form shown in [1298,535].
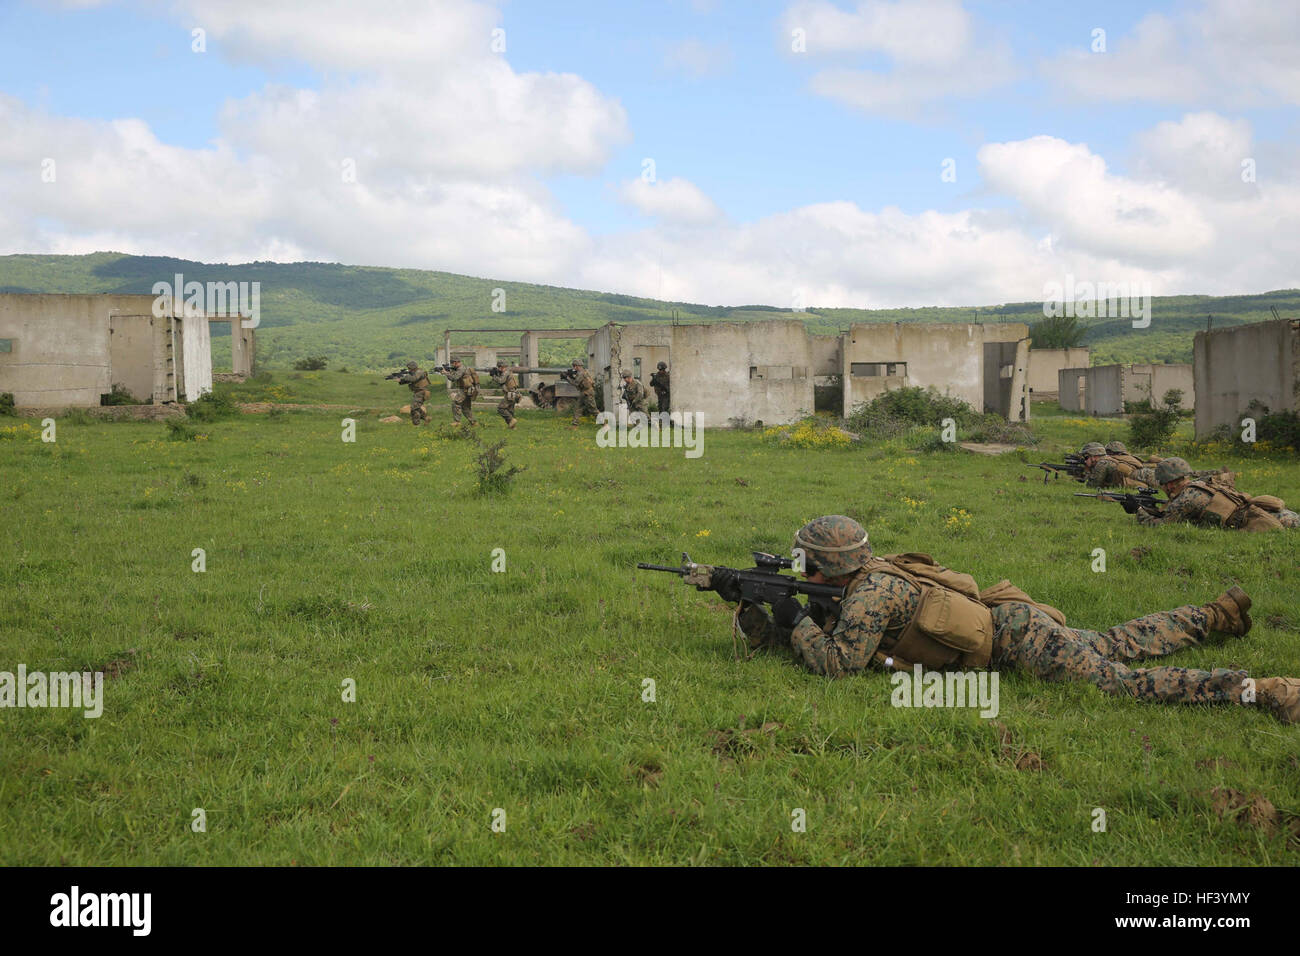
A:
[211,407]
[7,403]
[493,477]
[899,409]
[312,364]
[997,430]
[118,395]
[341,368]
[1152,427]
[178,430]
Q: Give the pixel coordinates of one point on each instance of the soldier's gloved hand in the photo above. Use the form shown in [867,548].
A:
[726,582]
[788,612]
[1129,505]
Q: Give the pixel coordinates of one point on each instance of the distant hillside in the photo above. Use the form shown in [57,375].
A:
[369,318]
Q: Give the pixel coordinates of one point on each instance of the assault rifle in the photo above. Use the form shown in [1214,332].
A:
[1130,501]
[1074,467]
[398,374]
[761,584]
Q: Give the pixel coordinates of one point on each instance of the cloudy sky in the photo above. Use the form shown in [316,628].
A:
[851,153]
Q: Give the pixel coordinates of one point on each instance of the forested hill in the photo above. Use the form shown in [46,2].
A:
[368,317]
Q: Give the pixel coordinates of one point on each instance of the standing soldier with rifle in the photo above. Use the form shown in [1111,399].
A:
[418,380]
[659,382]
[462,385]
[1214,504]
[509,385]
[902,610]
[634,393]
[581,379]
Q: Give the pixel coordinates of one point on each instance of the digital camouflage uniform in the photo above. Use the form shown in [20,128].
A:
[880,607]
[659,382]
[1025,637]
[1111,472]
[462,389]
[585,404]
[636,396]
[509,385]
[1189,505]
[418,380]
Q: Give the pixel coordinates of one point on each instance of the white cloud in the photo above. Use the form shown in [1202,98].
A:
[696,58]
[930,44]
[1068,186]
[675,201]
[1202,153]
[1237,53]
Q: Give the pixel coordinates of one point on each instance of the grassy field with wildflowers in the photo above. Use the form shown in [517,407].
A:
[498,648]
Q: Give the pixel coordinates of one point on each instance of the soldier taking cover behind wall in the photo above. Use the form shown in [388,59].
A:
[634,393]
[659,382]
[1213,504]
[505,379]
[901,610]
[581,379]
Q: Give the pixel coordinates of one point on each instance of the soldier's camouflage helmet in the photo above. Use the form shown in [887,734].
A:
[455,361]
[1116,448]
[626,373]
[663,366]
[577,363]
[835,544]
[501,363]
[1171,469]
[412,366]
[1093,448]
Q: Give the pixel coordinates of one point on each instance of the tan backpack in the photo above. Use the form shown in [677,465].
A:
[952,628]
[1237,510]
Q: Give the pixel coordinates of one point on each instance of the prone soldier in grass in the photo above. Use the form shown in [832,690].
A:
[901,610]
[418,380]
[509,385]
[1104,470]
[1212,503]
[635,394]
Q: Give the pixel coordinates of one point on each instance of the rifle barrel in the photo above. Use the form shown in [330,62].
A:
[658,567]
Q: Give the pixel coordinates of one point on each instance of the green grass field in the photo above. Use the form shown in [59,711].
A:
[523,690]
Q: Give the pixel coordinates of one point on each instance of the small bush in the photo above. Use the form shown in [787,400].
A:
[1152,427]
[312,364]
[179,430]
[211,407]
[493,477]
[995,429]
[7,403]
[118,395]
[79,416]
[899,409]
[341,368]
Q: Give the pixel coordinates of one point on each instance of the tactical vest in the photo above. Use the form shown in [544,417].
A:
[1237,510]
[467,381]
[952,628]
[1127,464]
[422,383]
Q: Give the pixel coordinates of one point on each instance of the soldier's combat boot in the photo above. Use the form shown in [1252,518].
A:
[511,424]
[1281,695]
[1228,613]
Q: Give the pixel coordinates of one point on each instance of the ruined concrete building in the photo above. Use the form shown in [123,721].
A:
[1103,389]
[766,371]
[1235,366]
[58,351]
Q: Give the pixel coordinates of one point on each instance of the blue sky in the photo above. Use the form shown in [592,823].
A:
[776,161]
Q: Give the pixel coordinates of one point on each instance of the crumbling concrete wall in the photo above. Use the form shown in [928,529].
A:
[638,347]
[759,371]
[1071,388]
[1104,393]
[1045,366]
[951,358]
[1152,381]
[1232,367]
[60,350]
